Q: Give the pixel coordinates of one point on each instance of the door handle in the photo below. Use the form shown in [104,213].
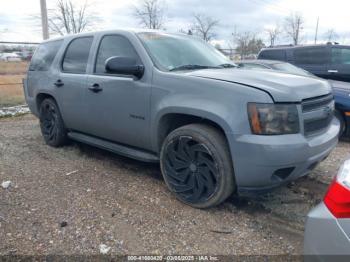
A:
[332,71]
[95,88]
[59,83]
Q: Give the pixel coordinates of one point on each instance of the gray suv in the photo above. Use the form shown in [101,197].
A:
[153,96]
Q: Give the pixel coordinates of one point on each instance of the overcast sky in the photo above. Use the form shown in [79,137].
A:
[16,22]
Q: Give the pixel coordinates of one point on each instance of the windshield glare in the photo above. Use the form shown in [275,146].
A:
[172,51]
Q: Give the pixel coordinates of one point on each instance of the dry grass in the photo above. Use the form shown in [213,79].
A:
[11,90]
[13,68]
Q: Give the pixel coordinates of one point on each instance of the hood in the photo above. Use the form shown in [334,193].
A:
[340,85]
[282,87]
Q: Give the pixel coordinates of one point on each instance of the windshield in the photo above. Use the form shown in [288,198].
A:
[291,69]
[170,52]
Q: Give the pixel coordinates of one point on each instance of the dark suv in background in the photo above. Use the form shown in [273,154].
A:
[330,61]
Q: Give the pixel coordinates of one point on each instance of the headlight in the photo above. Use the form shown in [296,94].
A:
[273,119]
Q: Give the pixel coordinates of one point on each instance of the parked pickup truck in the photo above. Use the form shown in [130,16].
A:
[173,98]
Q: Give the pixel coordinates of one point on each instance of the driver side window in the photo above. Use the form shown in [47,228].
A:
[113,45]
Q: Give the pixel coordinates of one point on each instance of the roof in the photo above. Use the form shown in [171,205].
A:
[283,47]
[124,30]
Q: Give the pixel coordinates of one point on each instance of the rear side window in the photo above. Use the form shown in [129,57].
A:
[273,55]
[113,45]
[341,56]
[311,56]
[77,55]
[44,55]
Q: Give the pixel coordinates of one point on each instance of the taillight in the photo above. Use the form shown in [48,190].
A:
[337,198]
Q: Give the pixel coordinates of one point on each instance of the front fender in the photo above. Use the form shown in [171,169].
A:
[191,106]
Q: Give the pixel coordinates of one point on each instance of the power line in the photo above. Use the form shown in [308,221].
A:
[19,43]
[282,8]
[264,4]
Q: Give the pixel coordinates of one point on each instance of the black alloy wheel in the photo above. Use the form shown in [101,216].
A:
[191,169]
[51,124]
[196,166]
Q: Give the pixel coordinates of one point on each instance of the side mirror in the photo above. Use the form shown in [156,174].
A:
[124,66]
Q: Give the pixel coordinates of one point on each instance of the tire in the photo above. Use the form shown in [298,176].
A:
[196,165]
[51,124]
[340,117]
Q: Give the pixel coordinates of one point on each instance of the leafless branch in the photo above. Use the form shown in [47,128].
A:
[68,18]
[204,26]
[294,27]
[331,35]
[273,34]
[150,13]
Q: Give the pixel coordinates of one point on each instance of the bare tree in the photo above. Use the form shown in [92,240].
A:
[247,44]
[273,33]
[293,27]
[68,18]
[150,13]
[204,26]
[331,35]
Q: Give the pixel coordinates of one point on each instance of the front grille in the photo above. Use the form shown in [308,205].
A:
[316,103]
[317,113]
[316,125]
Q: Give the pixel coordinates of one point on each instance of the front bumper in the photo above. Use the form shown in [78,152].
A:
[325,237]
[265,162]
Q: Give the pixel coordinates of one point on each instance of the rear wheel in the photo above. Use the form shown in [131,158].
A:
[51,123]
[196,165]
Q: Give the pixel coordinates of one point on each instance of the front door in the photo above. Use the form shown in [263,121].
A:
[118,105]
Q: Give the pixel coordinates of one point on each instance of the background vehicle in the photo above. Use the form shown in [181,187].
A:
[341,90]
[10,57]
[327,228]
[327,61]
[174,98]
[274,65]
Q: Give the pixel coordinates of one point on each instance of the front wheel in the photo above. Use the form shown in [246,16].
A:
[196,165]
[340,117]
[51,123]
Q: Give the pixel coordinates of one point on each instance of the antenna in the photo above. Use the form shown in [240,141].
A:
[316,33]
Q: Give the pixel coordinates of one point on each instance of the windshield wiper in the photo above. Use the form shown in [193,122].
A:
[227,65]
[192,67]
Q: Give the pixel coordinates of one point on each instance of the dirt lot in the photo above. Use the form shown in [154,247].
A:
[71,200]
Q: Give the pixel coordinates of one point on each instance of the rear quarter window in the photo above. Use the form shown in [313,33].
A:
[44,56]
[273,55]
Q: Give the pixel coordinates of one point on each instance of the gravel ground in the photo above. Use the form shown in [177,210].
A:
[73,199]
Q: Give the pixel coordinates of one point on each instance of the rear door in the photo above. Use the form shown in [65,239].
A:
[339,68]
[70,83]
[313,59]
[120,110]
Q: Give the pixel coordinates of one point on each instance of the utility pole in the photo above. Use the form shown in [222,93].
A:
[44,20]
[318,19]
